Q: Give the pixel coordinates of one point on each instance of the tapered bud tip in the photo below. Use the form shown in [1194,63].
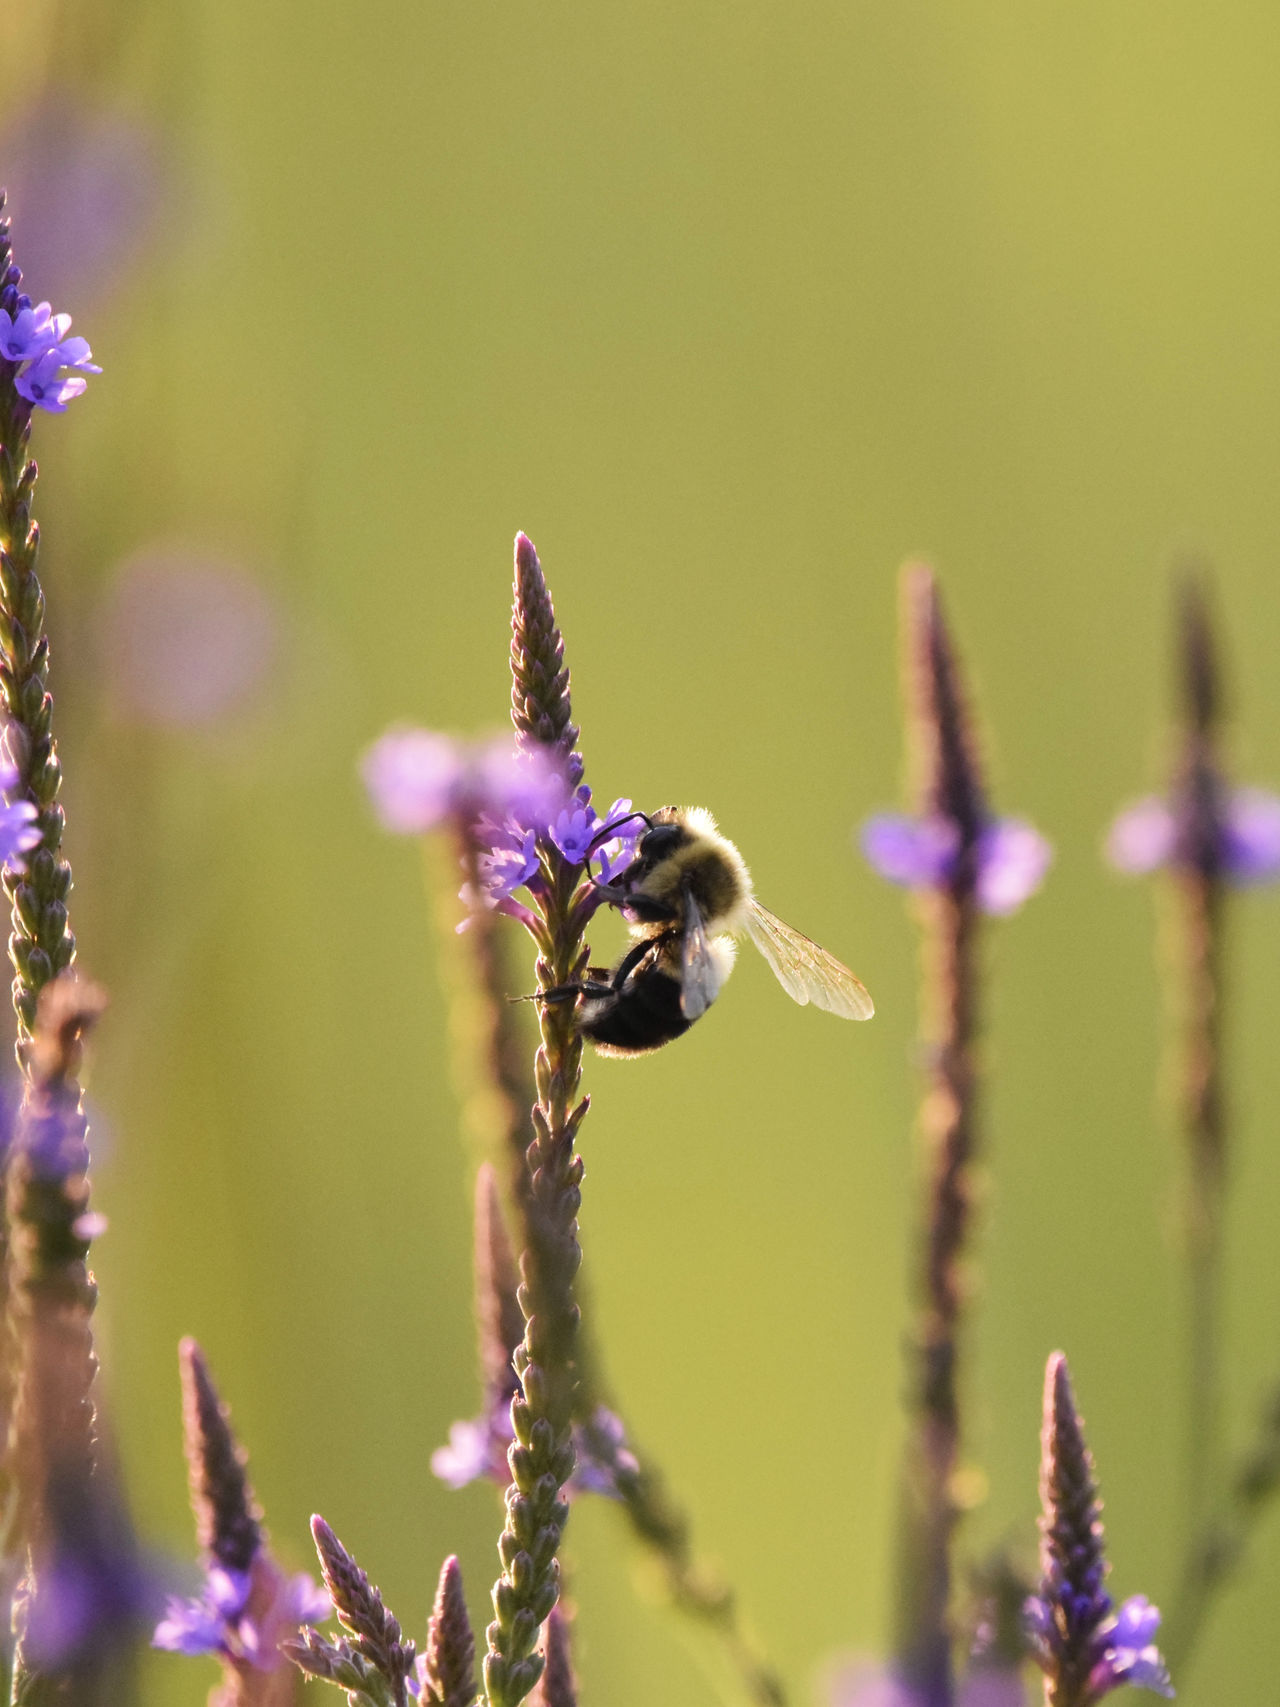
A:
[528,567]
[944,750]
[1059,1399]
[228,1522]
[326,1541]
[1201,685]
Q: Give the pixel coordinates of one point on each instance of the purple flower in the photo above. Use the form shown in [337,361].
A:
[923,853]
[95,1588]
[1130,1655]
[31,332]
[42,383]
[477,1448]
[509,863]
[1148,835]
[242,1616]
[576,828]
[419,780]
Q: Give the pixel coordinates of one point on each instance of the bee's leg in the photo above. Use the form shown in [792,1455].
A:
[594,984]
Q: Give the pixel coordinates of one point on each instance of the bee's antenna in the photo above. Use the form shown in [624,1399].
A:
[603,834]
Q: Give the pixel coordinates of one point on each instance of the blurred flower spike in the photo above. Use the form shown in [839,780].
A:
[1202,827]
[955,845]
[1010,857]
[1151,835]
[1084,1646]
[248,1604]
[50,364]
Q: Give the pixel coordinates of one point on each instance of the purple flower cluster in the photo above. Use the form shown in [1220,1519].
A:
[1011,857]
[507,798]
[1150,835]
[477,1448]
[1123,1646]
[242,1616]
[51,366]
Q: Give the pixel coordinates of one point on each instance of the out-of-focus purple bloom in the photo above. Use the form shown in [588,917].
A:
[93,1589]
[477,1448]
[243,1616]
[186,636]
[89,187]
[863,1683]
[921,853]
[419,780]
[1147,836]
[867,1683]
[32,332]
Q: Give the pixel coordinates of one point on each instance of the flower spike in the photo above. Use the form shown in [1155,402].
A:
[955,845]
[446,1671]
[248,1605]
[1084,1647]
[361,1610]
[556,1686]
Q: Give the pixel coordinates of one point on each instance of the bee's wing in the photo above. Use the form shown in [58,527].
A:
[806,972]
[700,983]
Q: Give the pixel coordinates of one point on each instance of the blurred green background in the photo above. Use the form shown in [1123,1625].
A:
[732,308]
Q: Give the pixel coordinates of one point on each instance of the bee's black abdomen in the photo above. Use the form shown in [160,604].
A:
[643,1014]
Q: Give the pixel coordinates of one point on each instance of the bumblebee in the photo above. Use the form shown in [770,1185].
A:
[685,897]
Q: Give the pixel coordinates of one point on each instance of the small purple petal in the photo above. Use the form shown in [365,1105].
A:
[573,831]
[1144,837]
[1012,861]
[915,852]
[189,1627]
[75,352]
[413,776]
[304,1601]
[228,1591]
[40,384]
[507,869]
[30,332]
[1136,1623]
[1251,836]
[475,1449]
[19,832]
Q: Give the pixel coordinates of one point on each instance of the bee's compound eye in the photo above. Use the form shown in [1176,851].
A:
[661,840]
